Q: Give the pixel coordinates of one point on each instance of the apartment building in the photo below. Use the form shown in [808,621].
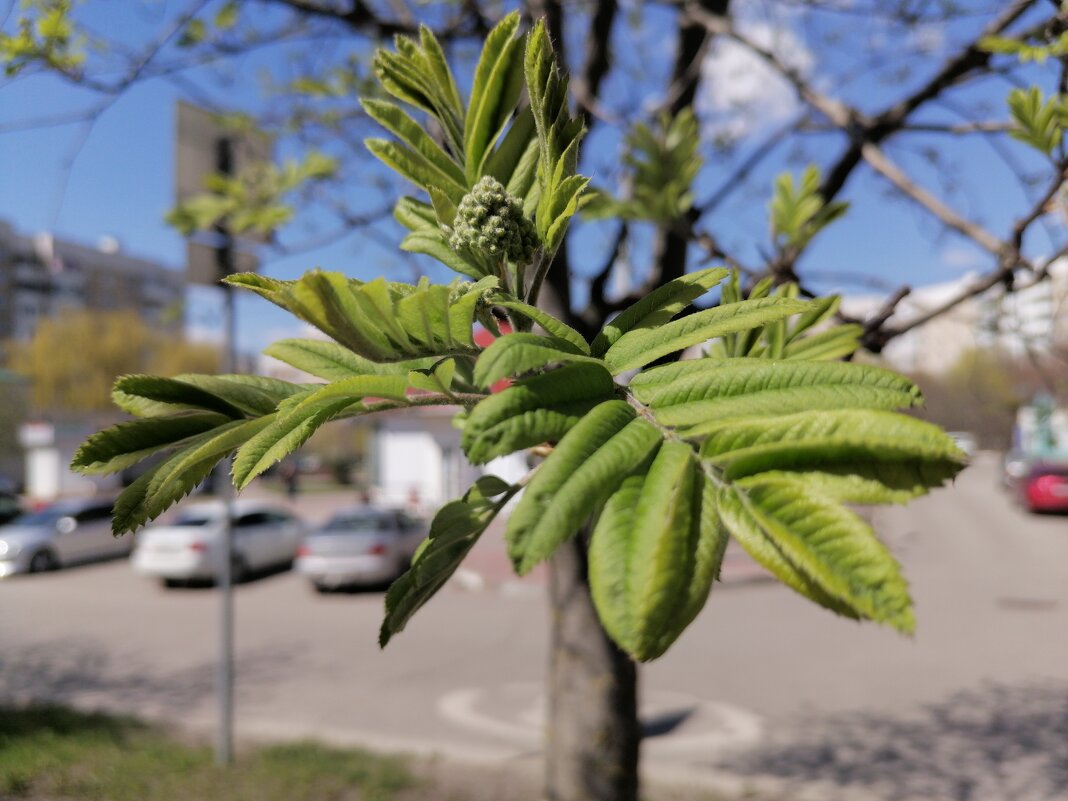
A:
[1032,319]
[42,276]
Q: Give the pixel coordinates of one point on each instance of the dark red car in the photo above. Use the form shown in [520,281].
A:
[1045,489]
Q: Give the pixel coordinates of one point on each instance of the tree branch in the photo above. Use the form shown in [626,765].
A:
[882,165]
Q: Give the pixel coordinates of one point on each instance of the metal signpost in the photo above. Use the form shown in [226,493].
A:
[205,146]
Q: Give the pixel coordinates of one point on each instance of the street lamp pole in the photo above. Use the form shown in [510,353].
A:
[224,746]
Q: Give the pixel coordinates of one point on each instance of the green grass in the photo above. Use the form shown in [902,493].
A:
[51,752]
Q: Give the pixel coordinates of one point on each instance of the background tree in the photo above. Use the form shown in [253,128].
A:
[937,69]
[68,381]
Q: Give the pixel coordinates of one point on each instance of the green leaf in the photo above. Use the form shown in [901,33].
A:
[565,203]
[454,531]
[324,359]
[418,74]
[364,317]
[494,93]
[718,389]
[415,215]
[819,439]
[533,411]
[656,549]
[834,343]
[155,491]
[658,307]
[514,354]
[833,547]
[799,213]
[253,395]
[150,396]
[436,379]
[856,483]
[444,209]
[226,16]
[434,243]
[1038,119]
[396,121]
[638,347]
[663,163]
[281,437]
[511,163]
[558,137]
[126,444]
[743,525]
[552,326]
[416,168]
[582,470]
[296,423]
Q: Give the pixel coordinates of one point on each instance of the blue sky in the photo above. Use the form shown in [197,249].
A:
[121,177]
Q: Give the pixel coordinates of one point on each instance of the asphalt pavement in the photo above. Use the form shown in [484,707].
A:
[764,691]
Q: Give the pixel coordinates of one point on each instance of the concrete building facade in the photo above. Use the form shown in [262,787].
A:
[1033,318]
[42,276]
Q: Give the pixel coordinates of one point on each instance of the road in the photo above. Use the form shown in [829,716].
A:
[762,691]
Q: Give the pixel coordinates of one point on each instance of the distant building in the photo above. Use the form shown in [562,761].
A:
[42,276]
[1032,318]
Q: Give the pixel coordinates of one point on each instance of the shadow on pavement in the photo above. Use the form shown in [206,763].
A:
[73,671]
[1001,742]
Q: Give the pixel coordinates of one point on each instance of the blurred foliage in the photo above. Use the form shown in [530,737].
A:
[1027,50]
[45,36]
[110,344]
[1040,120]
[662,162]
[254,201]
[798,212]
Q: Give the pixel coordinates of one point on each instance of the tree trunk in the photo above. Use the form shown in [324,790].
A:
[593,732]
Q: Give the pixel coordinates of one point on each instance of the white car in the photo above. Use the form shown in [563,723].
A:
[188,547]
[65,533]
[360,546]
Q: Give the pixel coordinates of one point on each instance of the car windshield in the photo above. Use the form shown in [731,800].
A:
[45,517]
[193,518]
[358,521]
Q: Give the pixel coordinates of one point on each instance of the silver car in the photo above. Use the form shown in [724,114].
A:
[65,533]
[360,546]
[187,545]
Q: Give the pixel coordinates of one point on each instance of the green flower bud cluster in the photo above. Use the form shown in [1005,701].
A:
[490,221]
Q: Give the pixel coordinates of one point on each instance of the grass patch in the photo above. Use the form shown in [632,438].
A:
[49,752]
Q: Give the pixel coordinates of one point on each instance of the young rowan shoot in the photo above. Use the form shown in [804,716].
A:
[767,438]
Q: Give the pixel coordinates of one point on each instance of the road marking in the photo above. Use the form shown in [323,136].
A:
[718,725]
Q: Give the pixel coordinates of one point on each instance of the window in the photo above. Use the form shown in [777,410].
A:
[252,519]
[94,514]
[408,523]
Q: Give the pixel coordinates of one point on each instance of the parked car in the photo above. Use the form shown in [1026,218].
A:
[1045,489]
[360,546]
[1014,466]
[65,533]
[10,508]
[188,547]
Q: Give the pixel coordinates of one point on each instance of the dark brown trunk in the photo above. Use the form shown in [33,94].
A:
[593,732]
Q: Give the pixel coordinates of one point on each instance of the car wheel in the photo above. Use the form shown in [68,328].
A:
[323,589]
[43,561]
[173,583]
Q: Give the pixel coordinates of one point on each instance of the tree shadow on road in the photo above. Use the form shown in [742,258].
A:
[80,671]
[1001,742]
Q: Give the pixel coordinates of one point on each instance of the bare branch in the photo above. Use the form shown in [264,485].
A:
[882,165]
[587,84]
